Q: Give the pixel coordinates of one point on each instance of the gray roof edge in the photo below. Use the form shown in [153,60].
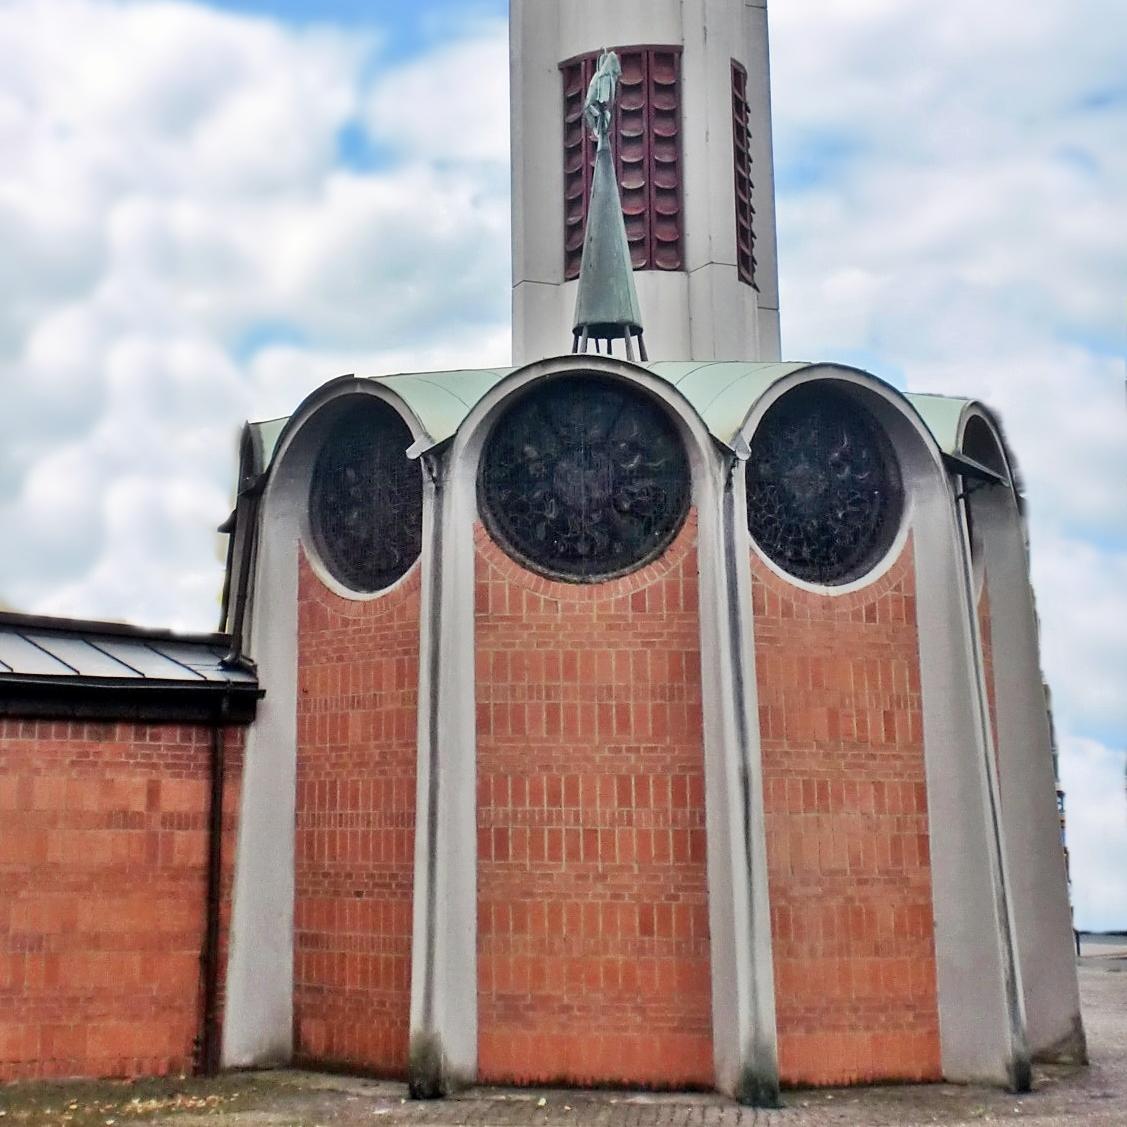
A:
[18,620]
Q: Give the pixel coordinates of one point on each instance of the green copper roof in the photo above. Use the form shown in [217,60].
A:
[441,400]
[943,415]
[722,393]
[264,440]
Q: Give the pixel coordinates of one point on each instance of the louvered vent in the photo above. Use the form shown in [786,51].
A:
[745,209]
[647,150]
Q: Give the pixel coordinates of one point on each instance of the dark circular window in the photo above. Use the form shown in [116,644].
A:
[584,479]
[824,496]
[366,501]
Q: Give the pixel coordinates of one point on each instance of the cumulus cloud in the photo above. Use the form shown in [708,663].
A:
[1094,779]
[452,104]
[185,248]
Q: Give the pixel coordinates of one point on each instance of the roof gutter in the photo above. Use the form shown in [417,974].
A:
[28,697]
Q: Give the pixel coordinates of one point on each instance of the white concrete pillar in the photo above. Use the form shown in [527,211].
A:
[1035,858]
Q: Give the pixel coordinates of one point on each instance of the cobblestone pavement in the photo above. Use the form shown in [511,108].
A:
[1075,1096]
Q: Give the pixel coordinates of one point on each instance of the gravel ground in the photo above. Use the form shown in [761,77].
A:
[1096,1095]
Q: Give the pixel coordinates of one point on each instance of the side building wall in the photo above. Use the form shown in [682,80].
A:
[358,676]
[103,879]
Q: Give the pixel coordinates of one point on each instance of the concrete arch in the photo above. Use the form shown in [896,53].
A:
[258,1026]
[444,1000]
[1027,781]
[981,1014]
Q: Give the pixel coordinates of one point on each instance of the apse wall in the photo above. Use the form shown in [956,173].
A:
[584,785]
[593,926]
[889,893]
[358,674]
[320,965]
[845,791]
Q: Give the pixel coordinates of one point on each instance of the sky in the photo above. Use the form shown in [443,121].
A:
[207,210]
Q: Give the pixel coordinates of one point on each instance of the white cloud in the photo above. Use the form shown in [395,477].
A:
[452,104]
[1094,780]
[173,195]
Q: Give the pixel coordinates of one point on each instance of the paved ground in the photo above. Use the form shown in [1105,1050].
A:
[1095,1096]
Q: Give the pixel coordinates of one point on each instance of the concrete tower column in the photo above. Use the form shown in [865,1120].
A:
[702,310]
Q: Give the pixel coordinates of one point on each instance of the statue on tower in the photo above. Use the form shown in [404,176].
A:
[601,94]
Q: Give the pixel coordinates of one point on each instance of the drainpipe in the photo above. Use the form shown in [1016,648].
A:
[208,1059]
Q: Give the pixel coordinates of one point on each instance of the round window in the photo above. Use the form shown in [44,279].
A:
[824,496]
[584,479]
[366,500]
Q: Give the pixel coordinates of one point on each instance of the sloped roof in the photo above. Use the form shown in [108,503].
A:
[722,392]
[61,667]
[943,415]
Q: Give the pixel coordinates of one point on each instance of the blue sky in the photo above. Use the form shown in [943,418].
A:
[404,26]
[207,210]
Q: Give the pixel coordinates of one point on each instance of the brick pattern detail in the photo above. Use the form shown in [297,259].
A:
[986,635]
[103,877]
[358,677]
[593,942]
[847,830]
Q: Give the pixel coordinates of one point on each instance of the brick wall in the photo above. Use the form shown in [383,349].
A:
[358,675]
[102,895]
[847,830]
[593,953]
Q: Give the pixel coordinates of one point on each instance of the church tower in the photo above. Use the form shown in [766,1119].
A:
[692,152]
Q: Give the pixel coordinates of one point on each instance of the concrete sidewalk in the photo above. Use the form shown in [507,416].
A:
[1096,1095]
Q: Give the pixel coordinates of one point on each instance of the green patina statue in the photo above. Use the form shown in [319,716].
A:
[599,107]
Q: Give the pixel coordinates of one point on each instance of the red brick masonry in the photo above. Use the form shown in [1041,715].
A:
[358,682]
[103,849]
[847,830]
[593,942]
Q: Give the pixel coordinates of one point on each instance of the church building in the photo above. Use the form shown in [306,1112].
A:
[654,712]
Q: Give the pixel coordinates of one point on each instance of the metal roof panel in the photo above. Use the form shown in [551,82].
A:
[204,661]
[84,658]
[148,661]
[28,659]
